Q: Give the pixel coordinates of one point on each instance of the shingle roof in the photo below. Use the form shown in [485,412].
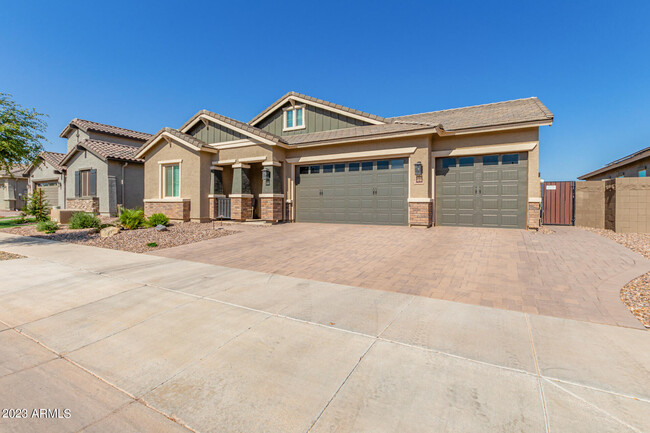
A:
[495,114]
[319,101]
[17,170]
[53,158]
[354,132]
[106,150]
[235,123]
[87,125]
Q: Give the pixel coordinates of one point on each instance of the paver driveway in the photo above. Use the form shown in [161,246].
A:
[135,343]
[571,273]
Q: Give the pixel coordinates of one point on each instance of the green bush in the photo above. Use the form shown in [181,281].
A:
[37,205]
[132,219]
[152,244]
[157,219]
[84,220]
[47,226]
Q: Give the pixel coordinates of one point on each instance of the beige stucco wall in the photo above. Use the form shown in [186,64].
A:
[632,203]
[45,172]
[590,204]
[194,170]
[511,137]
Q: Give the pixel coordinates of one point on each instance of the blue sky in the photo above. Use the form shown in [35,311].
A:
[145,65]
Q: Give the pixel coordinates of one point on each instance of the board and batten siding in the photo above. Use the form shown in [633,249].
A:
[316,120]
[215,133]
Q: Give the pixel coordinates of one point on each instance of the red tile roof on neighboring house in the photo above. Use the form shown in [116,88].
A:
[17,170]
[53,158]
[87,125]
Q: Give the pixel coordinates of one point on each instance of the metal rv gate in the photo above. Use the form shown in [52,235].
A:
[558,200]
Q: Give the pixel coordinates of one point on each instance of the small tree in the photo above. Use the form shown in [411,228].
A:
[21,133]
[37,206]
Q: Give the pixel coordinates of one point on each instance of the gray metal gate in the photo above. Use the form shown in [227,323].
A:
[223,208]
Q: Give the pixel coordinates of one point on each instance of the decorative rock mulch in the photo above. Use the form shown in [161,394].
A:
[132,240]
[544,230]
[9,256]
[636,293]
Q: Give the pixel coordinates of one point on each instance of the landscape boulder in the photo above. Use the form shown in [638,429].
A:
[107,232]
[161,228]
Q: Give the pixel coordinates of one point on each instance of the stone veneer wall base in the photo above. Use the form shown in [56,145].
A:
[90,204]
[271,208]
[174,210]
[533,215]
[241,208]
[421,214]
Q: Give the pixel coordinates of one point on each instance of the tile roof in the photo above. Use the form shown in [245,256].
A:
[53,158]
[87,125]
[235,123]
[318,101]
[621,162]
[106,150]
[477,116]
[17,170]
[351,133]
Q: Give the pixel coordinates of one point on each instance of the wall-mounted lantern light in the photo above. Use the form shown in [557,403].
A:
[266,176]
[418,168]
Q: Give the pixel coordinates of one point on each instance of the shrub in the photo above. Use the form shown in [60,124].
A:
[47,226]
[132,219]
[157,219]
[152,244]
[20,220]
[37,205]
[84,220]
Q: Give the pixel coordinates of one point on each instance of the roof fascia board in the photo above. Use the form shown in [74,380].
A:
[202,116]
[486,149]
[165,136]
[319,105]
[496,128]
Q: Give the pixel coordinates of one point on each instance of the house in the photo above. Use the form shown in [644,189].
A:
[308,160]
[13,188]
[48,174]
[98,172]
[634,165]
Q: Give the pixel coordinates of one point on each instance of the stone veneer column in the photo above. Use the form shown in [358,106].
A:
[533,215]
[272,198]
[241,199]
[420,212]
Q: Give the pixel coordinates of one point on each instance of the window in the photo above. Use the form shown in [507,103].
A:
[621,175]
[294,118]
[339,168]
[327,168]
[448,162]
[365,166]
[85,182]
[642,172]
[467,161]
[353,166]
[397,163]
[382,165]
[510,159]
[491,160]
[304,169]
[171,180]
[314,169]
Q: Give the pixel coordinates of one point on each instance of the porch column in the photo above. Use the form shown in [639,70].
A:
[272,198]
[241,198]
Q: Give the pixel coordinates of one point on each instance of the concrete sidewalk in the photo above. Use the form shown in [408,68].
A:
[131,342]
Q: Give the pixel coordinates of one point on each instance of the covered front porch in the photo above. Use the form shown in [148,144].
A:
[246,190]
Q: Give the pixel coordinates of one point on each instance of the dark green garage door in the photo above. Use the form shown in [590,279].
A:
[366,192]
[482,191]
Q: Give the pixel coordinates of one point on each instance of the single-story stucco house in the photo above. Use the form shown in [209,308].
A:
[13,188]
[308,160]
[98,172]
[634,165]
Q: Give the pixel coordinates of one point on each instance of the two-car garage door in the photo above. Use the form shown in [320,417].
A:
[363,192]
[482,191]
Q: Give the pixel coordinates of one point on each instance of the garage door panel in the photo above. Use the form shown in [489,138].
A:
[466,190]
[449,189]
[466,203]
[490,219]
[466,219]
[466,176]
[509,221]
[490,204]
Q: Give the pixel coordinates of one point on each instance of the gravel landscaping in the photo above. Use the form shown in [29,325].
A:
[636,293]
[9,256]
[135,241]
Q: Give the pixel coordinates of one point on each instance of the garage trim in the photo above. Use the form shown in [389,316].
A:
[488,149]
[351,156]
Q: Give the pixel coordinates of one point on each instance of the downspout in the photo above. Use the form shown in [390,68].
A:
[122,182]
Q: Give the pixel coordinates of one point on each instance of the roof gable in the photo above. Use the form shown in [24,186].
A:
[232,125]
[299,98]
[170,134]
[87,125]
[104,150]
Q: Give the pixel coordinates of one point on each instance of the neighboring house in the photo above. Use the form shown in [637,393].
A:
[101,170]
[13,188]
[308,160]
[48,174]
[634,165]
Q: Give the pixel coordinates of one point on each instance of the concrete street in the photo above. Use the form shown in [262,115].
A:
[132,343]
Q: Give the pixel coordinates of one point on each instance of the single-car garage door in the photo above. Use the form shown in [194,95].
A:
[364,192]
[482,191]
[50,192]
